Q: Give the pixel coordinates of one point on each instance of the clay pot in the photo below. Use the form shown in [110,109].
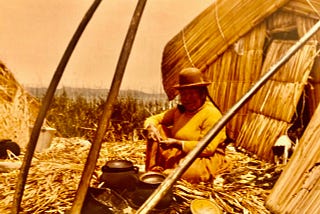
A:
[148,183]
[119,175]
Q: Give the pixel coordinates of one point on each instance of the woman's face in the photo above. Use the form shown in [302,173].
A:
[191,98]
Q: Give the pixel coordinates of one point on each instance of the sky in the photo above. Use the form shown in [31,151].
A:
[35,33]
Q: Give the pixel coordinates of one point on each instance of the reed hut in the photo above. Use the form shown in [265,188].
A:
[18,109]
[234,43]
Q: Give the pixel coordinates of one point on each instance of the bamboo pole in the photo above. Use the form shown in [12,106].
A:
[161,191]
[22,177]
[107,111]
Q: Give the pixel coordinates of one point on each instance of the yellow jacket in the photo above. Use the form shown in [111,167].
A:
[191,127]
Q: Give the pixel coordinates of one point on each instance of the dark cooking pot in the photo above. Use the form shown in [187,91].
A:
[119,175]
[148,183]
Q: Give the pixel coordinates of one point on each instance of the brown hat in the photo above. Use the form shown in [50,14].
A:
[191,77]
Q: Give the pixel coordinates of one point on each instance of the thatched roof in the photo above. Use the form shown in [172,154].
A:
[18,109]
[210,34]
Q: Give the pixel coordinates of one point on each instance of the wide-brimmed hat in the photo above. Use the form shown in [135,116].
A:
[191,77]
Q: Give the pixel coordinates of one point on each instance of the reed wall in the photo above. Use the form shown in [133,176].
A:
[272,108]
[301,194]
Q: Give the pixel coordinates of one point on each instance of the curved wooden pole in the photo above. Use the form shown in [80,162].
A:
[22,177]
[107,111]
[161,191]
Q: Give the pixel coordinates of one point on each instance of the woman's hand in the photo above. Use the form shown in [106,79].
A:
[153,133]
[171,141]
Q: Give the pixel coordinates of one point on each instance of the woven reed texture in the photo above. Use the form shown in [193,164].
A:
[276,102]
[308,8]
[259,133]
[210,34]
[286,86]
[281,22]
[313,92]
[301,194]
[234,72]
[18,109]
[314,87]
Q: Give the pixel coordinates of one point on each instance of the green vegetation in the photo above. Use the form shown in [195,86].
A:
[79,117]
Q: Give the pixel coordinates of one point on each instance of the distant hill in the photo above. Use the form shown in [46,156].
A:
[90,93]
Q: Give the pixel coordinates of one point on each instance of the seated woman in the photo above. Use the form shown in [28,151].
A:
[175,132]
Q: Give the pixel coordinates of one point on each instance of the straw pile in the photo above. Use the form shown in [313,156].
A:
[241,190]
[265,122]
[234,72]
[301,194]
[17,108]
[210,34]
[54,176]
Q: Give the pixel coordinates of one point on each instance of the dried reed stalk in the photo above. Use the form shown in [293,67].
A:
[304,24]
[234,72]
[303,173]
[275,94]
[17,108]
[242,189]
[259,133]
[277,100]
[281,22]
[54,176]
[210,34]
[286,86]
[313,93]
[308,8]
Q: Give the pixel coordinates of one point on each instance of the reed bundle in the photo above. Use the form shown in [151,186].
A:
[234,72]
[8,85]
[308,8]
[277,99]
[259,133]
[210,34]
[301,194]
[17,108]
[281,22]
[286,86]
[304,24]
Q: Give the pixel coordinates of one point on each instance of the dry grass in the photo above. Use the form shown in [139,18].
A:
[54,176]
[17,108]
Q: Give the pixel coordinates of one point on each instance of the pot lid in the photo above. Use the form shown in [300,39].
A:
[152,178]
[118,165]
